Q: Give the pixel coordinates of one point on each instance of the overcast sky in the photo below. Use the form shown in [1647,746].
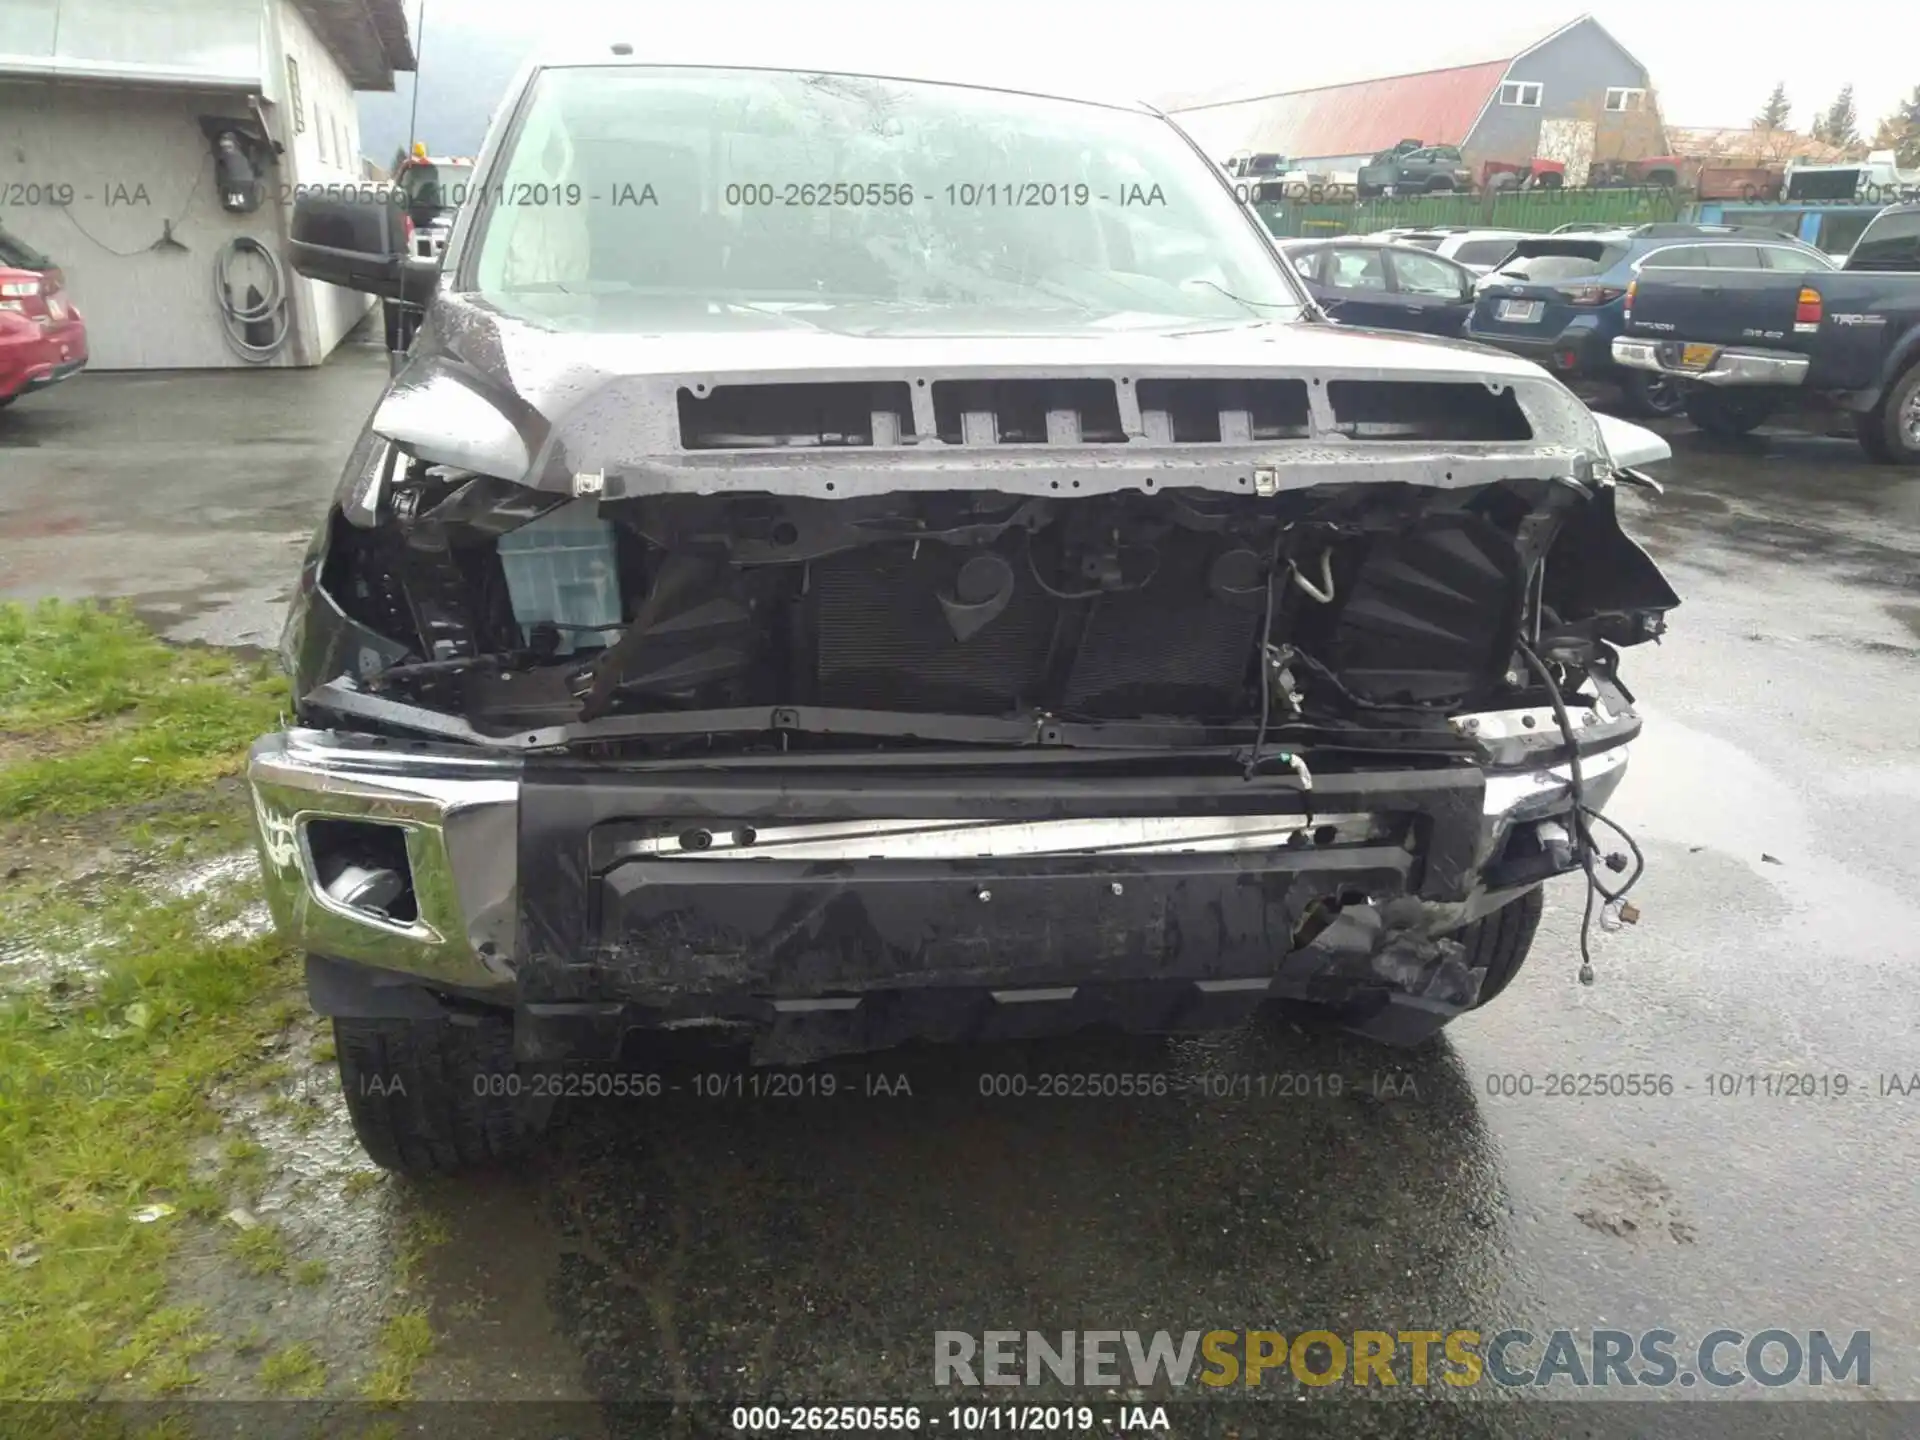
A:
[1712,63]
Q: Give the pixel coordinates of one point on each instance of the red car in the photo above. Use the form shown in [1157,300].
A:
[43,339]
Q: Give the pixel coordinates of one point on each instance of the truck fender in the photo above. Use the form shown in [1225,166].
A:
[1905,351]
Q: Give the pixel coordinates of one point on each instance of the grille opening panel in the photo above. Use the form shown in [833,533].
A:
[797,417]
[1425,410]
[1027,412]
[1207,412]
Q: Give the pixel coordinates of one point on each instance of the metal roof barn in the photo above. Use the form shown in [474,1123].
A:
[1437,107]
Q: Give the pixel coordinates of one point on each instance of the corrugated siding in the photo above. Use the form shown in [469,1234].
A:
[1437,107]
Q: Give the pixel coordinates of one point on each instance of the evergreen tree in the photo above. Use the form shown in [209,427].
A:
[1900,131]
[1840,125]
[1779,109]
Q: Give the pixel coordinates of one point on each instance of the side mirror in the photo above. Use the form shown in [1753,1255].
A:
[355,236]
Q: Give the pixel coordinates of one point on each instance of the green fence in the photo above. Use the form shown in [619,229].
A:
[1540,210]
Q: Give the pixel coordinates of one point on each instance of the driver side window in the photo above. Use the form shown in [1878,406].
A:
[1427,275]
[1357,270]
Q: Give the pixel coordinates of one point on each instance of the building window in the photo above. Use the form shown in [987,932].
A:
[320,130]
[293,97]
[1621,100]
[1520,92]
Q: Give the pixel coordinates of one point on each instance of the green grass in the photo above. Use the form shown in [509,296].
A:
[104,714]
[294,1370]
[261,1250]
[405,1341]
[107,1082]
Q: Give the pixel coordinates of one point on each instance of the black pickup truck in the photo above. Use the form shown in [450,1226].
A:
[1753,343]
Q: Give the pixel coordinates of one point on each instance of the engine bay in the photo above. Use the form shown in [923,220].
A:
[664,620]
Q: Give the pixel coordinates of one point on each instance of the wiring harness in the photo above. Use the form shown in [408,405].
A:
[1582,830]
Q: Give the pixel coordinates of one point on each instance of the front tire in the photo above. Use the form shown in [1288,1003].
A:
[1653,396]
[1890,432]
[1724,416]
[430,1097]
[1499,943]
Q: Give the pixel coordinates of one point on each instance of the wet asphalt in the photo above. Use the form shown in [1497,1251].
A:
[745,1249]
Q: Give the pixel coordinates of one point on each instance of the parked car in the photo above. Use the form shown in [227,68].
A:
[1390,287]
[832,624]
[1411,168]
[1747,343]
[43,336]
[1559,299]
[1476,250]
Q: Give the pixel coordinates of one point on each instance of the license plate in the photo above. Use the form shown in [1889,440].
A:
[1521,312]
[1698,357]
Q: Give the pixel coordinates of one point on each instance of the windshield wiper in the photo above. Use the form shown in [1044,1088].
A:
[1242,300]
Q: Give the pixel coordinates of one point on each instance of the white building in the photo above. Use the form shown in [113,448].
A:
[108,115]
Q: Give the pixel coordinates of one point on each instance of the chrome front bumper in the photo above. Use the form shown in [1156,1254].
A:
[460,814]
[1732,366]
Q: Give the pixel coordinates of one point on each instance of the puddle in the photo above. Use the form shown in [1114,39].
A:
[1701,793]
[44,960]
[206,875]
[26,966]
[292,1166]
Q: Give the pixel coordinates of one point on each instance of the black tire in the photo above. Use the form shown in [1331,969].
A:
[421,1093]
[1727,416]
[1890,432]
[1651,395]
[1499,942]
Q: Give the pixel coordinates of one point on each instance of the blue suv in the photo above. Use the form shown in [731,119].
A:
[1559,299]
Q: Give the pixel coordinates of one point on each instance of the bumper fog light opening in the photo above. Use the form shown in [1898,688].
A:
[362,866]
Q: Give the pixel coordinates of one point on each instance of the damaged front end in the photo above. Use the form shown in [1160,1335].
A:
[946,701]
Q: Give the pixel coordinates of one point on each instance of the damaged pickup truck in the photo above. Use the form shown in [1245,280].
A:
[847,561]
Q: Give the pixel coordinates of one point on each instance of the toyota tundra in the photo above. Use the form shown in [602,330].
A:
[847,561]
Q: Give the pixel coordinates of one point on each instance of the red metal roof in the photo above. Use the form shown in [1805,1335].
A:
[1436,107]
